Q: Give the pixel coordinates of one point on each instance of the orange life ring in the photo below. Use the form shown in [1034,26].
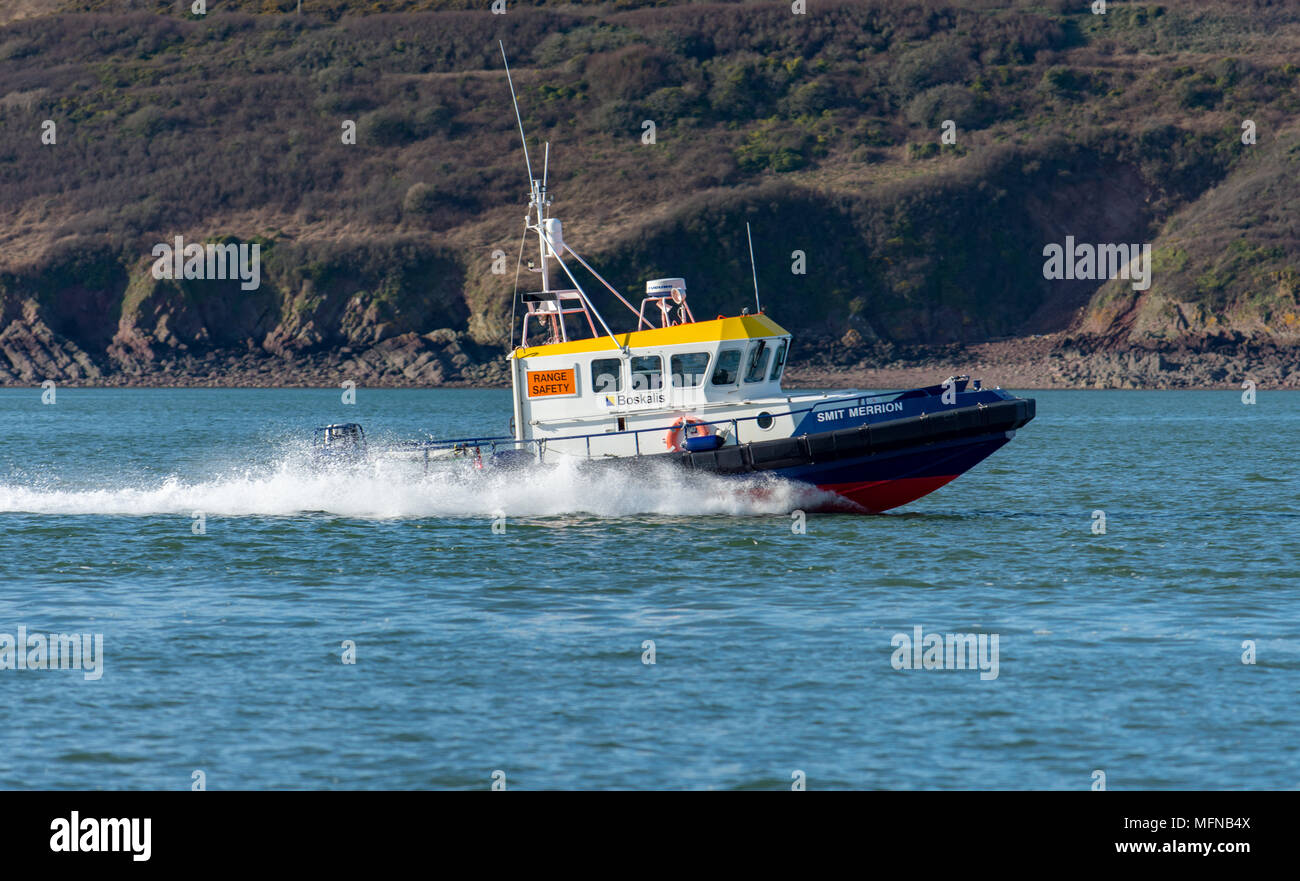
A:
[677,433]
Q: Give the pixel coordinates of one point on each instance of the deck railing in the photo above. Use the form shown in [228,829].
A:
[499,443]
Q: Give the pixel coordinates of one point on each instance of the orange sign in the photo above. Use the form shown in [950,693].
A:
[551,382]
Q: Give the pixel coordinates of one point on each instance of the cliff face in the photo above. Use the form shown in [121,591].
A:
[910,262]
[1225,265]
[352,310]
[374,160]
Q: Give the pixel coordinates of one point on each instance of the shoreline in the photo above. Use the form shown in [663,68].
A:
[1010,377]
[1056,362]
[1032,363]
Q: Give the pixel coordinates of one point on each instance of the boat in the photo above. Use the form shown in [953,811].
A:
[705,395]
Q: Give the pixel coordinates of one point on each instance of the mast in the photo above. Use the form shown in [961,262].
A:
[538,201]
[536,188]
[542,202]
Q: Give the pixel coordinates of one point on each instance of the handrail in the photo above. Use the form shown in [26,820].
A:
[716,405]
[734,421]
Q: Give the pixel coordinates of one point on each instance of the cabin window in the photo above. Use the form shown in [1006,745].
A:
[689,369]
[607,375]
[778,361]
[727,370]
[759,353]
[647,372]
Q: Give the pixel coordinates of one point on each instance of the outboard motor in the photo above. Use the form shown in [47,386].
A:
[342,442]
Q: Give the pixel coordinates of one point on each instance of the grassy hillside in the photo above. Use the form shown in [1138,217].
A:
[822,130]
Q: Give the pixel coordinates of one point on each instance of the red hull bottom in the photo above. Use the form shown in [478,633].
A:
[881,495]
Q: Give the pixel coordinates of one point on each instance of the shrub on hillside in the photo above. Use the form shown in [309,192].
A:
[1065,82]
[945,59]
[673,103]
[742,89]
[631,73]
[420,199]
[775,149]
[958,103]
[582,42]
[617,118]
[810,98]
[1195,95]
[385,128]
[150,121]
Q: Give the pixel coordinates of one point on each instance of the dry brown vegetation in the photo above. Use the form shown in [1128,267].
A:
[822,130]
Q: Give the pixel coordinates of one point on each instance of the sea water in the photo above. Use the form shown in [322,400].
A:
[1132,556]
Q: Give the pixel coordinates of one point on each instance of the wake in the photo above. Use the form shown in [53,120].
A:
[391,490]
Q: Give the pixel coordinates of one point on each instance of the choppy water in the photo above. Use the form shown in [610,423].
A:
[522,652]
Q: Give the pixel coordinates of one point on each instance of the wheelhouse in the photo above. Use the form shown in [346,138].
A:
[616,381]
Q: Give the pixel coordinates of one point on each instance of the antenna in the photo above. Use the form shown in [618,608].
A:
[757,306]
[518,118]
[538,200]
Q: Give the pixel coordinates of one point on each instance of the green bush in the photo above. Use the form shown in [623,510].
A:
[385,128]
[420,199]
[151,121]
[933,106]
[945,59]
[810,98]
[1065,81]
[775,149]
[1195,95]
[592,39]
[742,89]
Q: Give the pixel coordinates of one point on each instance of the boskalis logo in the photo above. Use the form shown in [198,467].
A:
[640,399]
[77,834]
[208,262]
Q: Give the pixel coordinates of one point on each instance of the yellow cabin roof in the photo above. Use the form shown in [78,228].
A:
[740,327]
